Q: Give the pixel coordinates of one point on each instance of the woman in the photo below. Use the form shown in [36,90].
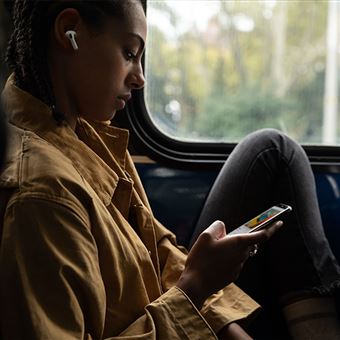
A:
[81,254]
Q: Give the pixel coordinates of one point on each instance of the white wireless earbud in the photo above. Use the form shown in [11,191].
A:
[71,35]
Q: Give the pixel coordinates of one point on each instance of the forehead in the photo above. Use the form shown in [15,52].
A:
[135,21]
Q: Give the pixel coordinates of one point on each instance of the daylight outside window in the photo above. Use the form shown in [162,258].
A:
[218,70]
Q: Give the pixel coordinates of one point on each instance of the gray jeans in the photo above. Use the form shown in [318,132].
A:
[266,168]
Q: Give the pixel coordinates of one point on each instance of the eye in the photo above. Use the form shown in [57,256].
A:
[129,55]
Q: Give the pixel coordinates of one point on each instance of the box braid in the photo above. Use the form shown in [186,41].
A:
[27,49]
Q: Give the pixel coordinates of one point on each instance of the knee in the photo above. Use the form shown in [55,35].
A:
[273,139]
[269,135]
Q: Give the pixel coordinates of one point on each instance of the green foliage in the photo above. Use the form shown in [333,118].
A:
[229,81]
[231,117]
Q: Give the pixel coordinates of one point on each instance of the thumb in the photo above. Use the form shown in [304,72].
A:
[216,230]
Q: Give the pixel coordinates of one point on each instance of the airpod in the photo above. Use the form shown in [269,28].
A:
[71,35]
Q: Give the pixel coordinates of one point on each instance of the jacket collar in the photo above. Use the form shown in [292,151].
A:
[98,145]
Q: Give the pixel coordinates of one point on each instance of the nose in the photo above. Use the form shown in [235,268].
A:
[137,79]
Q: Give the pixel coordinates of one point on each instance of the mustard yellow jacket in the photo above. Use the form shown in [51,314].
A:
[82,256]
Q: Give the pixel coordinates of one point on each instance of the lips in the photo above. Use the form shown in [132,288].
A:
[125,97]
[122,100]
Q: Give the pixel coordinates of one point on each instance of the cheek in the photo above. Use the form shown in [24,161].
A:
[109,78]
[101,99]
[100,85]
[96,99]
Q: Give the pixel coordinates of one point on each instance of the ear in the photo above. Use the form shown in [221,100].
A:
[67,19]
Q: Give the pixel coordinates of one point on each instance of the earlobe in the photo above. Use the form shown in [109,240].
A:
[71,35]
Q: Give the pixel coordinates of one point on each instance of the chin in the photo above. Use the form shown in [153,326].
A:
[108,115]
[111,115]
[101,118]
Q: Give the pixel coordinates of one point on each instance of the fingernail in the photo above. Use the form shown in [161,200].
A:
[279,223]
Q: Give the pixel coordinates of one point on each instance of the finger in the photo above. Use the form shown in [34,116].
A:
[265,234]
[273,228]
[262,235]
[216,230]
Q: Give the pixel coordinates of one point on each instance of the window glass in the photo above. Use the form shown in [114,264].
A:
[217,70]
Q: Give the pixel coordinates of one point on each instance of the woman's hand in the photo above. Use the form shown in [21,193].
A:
[215,260]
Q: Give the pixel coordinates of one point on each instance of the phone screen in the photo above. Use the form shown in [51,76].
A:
[265,216]
[261,221]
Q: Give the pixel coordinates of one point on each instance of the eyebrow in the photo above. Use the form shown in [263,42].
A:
[135,35]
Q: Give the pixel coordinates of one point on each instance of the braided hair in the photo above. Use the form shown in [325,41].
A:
[27,49]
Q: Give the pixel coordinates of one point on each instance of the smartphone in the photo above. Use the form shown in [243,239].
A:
[263,220]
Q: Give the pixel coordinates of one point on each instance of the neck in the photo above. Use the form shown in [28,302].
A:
[65,103]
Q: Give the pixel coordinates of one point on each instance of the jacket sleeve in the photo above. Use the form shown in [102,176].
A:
[51,285]
[226,306]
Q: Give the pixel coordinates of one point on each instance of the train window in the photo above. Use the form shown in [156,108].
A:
[217,70]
